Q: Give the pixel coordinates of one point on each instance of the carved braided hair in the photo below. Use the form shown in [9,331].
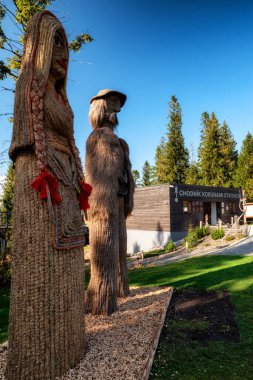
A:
[29,104]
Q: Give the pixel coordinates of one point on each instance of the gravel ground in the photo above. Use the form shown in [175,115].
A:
[120,346]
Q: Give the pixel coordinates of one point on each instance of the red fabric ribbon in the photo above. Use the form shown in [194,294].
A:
[85,192]
[42,181]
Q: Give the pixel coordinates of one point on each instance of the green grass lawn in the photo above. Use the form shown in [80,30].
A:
[181,360]
[4,313]
[177,359]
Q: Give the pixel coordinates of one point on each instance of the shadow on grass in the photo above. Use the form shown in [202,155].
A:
[233,273]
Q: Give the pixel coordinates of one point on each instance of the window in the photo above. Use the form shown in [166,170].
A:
[197,207]
[185,207]
[230,206]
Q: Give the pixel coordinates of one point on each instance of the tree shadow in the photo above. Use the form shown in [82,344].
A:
[159,236]
[203,273]
[136,247]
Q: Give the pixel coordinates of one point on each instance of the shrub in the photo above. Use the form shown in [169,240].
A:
[192,238]
[202,231]
[170,246]
[229,238]
[195,234]
[217,234]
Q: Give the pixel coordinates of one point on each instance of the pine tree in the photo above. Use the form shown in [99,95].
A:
[192,175]
[228,156]
[136,177]
[161,166]
[244,172]
[209,156]
[177,155]
[146,174]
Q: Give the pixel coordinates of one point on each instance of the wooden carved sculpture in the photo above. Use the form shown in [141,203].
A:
[108,170]
[46,330]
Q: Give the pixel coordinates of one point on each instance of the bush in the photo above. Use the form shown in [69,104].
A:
[229,238]
[192,238]
[201,232]
[195,234]
[170,246]
[217,234]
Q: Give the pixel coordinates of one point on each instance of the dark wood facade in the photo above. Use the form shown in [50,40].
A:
[151,209]
[190,204]
[174,207]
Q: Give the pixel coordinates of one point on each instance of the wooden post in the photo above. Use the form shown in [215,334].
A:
[244,207]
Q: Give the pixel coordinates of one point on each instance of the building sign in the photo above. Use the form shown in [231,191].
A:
[182,193]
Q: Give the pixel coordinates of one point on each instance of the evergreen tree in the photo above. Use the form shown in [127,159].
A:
[146,174]
[209,156]
[244,172]
[192,175]
[161,166]
[171,160]
[228,156]
[136,177]
[8,190]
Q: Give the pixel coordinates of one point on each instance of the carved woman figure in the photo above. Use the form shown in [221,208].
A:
[108,170]
[46,330]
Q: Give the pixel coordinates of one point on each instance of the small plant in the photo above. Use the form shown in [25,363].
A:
[170,246]
[191,238]
[194,235]
[217,234]
[202,231]
[229,238]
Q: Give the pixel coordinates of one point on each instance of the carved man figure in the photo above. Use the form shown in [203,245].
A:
[108,170]
[46,331]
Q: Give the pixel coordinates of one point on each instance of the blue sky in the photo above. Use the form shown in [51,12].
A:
[200,51]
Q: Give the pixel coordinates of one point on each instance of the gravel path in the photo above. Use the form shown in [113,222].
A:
[120,346]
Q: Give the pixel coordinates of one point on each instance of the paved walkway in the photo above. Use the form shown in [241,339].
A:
[242,247]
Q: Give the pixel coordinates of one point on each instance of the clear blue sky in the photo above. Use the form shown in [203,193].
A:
[199,50]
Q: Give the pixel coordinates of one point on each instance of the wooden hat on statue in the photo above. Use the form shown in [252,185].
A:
[104,93]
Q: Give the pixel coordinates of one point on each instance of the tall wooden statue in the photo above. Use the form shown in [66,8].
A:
[108,170]
[46,331]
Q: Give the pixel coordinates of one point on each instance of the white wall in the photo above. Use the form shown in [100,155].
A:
[139,240]
[249,211]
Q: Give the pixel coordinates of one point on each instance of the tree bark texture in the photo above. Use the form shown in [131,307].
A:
[123,287]
[46,328]
[104,166]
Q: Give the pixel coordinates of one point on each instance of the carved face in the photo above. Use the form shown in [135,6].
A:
[112,108]
[59,62]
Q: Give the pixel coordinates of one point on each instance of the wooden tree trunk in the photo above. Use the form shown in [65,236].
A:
[101,296]
[123,287]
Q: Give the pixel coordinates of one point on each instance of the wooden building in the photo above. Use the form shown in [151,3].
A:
[164,212]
